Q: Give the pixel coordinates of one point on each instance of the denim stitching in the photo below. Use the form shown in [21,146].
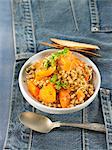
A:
[13,96]
[13,28]
[28,36]
[110,110]
[23,56]
[106,101]
[95,23]
[30,137]
[74,15]
[32,23]
[10,109]
[94,16]
[84,132]
[30,140]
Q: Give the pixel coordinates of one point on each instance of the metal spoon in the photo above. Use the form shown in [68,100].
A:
[43,124]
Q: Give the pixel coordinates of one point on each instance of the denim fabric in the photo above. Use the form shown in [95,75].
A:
[80,20]
[6,65]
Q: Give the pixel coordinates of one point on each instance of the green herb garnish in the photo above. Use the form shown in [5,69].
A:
[60,85]
[54,78]
[46,64]
[64,85]
[51,60]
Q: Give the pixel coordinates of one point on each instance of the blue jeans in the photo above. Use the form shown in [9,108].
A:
[88,21]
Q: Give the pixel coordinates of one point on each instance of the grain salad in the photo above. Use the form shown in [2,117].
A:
[60,80]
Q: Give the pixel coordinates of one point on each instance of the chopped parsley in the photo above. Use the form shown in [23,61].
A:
[46,64]
[60,85]
[50,61]
[64,85]
[54,78]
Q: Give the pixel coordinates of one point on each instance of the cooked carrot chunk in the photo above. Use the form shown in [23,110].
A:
[80,95]
[64,98]
[34,90]
[68,62]
[48,94]
[44,73]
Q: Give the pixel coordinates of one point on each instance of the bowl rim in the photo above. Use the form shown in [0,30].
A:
[32,100]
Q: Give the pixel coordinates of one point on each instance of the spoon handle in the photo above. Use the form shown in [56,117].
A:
[90,126]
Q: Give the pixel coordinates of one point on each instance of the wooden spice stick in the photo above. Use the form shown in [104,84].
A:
[74,44]
[87,52]
[51,45]
[71,48]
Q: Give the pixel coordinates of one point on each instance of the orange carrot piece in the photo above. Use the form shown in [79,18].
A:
[34,90]
[64,98]
[80,95]
[48,94]
[69,61]
[44,73]
[87,77]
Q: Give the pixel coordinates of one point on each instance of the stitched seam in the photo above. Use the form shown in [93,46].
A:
[109,106]
[105,30]
[95,24]
[13,27]
[30,137]
[94,16]
[10,109]
[32,23]
[29,29]
[30,140]
[22,56]
[105,124]
[85,132]
[104,103]
[13,95]
[74,15]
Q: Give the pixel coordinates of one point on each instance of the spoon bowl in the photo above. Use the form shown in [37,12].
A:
[37,122]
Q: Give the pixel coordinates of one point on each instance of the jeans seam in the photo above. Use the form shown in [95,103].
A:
[106,114]
[31,135]
[95,23]
[74,15]
[29,28]
[13,96]
[10,109]
[22,56]
[85,132]
[32,23]
[94,16]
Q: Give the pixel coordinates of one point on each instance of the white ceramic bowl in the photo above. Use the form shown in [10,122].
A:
[31,100]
